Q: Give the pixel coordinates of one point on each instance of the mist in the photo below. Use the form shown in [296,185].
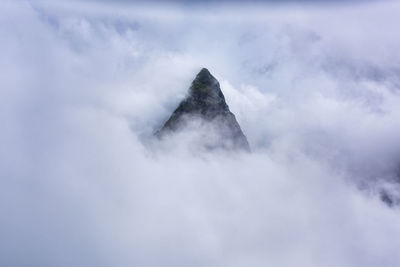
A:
[86,84]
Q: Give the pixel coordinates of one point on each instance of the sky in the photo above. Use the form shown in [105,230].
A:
[85,84]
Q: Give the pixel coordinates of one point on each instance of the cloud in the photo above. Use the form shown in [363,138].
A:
[85,85]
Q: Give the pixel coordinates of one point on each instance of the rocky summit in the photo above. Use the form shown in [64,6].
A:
[205,102]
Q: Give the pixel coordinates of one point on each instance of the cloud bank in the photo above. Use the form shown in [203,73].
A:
[85,85]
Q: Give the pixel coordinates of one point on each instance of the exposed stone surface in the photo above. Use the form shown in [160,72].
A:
[206,102]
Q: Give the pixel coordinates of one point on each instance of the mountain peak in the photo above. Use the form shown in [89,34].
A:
[206,102]
[204,76]
[204,71]
[205,88]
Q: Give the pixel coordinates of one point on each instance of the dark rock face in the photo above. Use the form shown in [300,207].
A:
[206,102]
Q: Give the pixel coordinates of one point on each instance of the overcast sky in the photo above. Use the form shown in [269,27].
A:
[202,2]
[85,84]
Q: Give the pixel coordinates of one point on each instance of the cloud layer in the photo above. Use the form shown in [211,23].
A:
[86,84]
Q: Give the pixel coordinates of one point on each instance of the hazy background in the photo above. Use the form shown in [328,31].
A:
[84,85]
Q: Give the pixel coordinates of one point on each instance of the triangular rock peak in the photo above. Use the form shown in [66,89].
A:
[206,102]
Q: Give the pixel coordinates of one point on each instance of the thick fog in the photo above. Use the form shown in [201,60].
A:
[83,181]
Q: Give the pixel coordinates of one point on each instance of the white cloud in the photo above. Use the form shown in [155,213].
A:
[84,86]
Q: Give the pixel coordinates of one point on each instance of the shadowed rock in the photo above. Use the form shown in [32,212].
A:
[206,102]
